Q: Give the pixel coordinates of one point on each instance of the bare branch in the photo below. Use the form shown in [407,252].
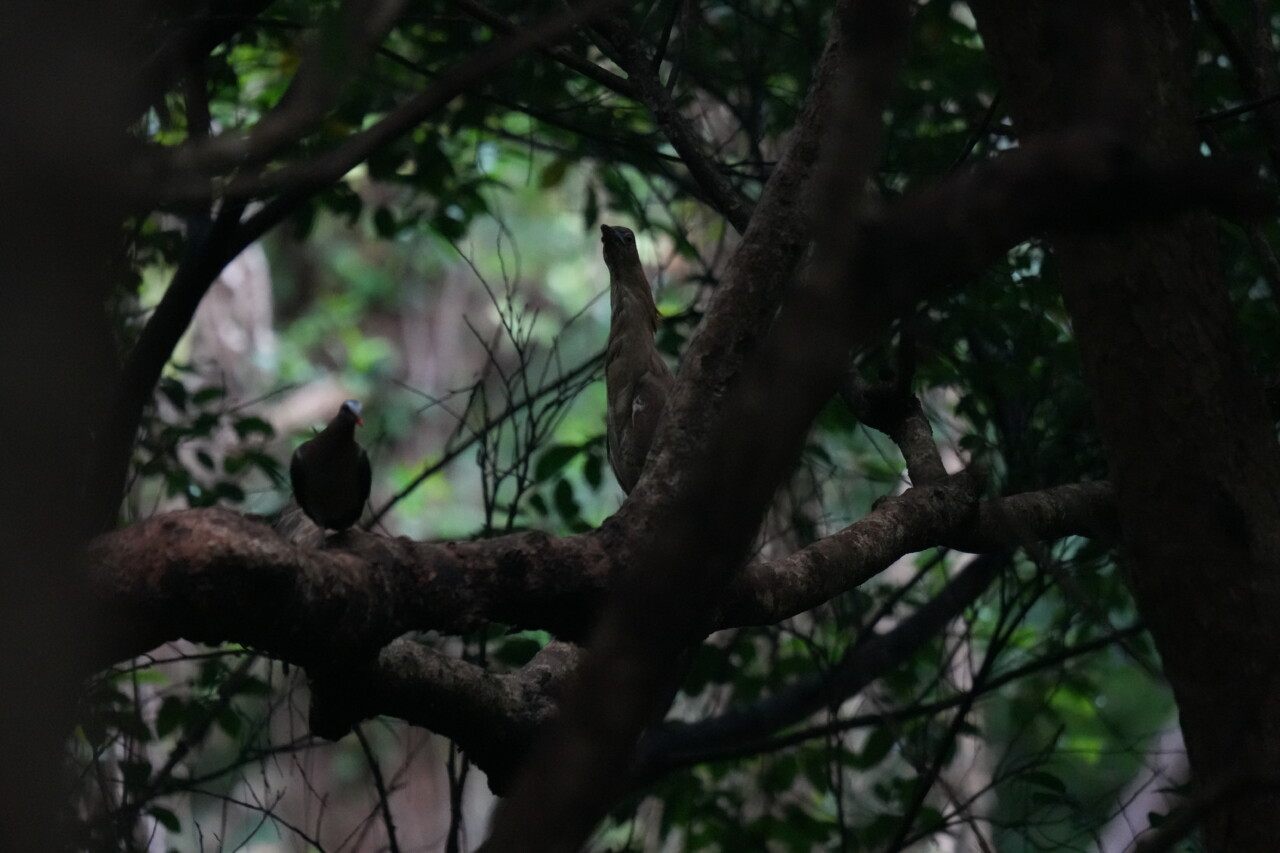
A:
[864,663]
[764,593]
[729,749]
[565,57]
[722,195]
[384,797]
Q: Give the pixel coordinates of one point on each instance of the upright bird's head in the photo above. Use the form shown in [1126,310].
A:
[619,247]
[351,409]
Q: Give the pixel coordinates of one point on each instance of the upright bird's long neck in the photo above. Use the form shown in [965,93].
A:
[634,310]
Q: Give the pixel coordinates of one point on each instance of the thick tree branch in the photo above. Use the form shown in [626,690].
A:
[765,593]
[353,32]
[190,39]
[207,253]
[891,408]
[213,575]
[216,576]
[165,178]
[493,717]
[1075,509]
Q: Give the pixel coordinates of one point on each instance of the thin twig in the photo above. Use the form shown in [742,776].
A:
[384,797]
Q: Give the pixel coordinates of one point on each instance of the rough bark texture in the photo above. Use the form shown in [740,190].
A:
[1192,452]
[217,576]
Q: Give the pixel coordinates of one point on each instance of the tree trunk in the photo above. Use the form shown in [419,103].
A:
[1192,451]
[62,81]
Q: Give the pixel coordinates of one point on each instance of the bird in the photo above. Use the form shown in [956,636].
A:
[330,473]
[636,379]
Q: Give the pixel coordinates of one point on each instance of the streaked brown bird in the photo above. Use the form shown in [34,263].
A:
[330,473]
[636,379]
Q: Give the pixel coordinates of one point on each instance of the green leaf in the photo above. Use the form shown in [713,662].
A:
[136,774]
[343,200]
[174,391]
[165,818]
[877,746]
[304,221]
[203,425]
[553,460]
[230,722]
[566,504]
[708,666]
[592,470]
[127,722]
[384,222]
[173,712]
[1044,780]
[247,426]
[591,209]
[516,651]
[177,482]
[449,227]
[206,395]
[553,174]
[228,491]
[779,774]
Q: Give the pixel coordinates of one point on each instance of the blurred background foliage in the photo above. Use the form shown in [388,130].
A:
[453,282]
